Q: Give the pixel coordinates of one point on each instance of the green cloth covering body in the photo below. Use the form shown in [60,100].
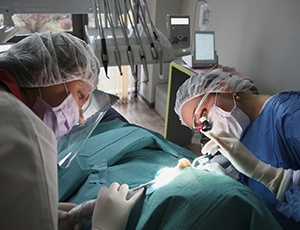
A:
[194,199]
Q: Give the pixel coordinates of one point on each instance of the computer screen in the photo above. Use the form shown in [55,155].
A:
[178,30]
[204,49]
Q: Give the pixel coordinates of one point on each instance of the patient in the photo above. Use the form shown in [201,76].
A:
[189,199]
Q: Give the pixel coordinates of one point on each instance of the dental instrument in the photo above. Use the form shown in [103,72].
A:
[123,26]
[157,53]
[99,25]
[112,28]
[201,160]
[132,191]
[85,209]
[142,16]
[137,35]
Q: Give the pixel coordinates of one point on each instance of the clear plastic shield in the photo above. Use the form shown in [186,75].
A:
[70,144]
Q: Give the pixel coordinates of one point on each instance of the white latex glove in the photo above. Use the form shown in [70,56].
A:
[65,222]
[112,208]
[243,160]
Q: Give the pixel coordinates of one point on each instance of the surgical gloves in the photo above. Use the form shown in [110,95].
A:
[112,208]
[65,220]
[243,160]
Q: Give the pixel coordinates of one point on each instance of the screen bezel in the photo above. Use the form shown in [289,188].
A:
[204,62]
[178,30]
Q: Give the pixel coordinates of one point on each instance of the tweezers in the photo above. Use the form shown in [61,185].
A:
[132,191]
[85,209]
[149,183]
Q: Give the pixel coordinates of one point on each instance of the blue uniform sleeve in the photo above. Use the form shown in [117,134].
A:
[274,138]
[290,136]
[290,206]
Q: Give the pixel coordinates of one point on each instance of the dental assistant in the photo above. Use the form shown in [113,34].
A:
[259,134]
[45,82]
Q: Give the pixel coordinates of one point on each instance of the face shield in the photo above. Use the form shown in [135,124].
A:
[70,144]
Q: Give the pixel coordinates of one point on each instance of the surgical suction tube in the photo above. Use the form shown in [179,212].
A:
[157,39]
[99,25]
[130,55]
[137,35]
[111,25]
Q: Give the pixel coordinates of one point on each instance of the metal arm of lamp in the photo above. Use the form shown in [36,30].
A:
[9,29]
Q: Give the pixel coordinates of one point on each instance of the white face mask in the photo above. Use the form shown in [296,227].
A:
[234,122]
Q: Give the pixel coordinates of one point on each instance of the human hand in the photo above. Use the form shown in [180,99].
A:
[65,222]
[112,208]
[243,160]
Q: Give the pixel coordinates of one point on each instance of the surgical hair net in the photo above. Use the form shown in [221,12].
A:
[50,58]
[212,82]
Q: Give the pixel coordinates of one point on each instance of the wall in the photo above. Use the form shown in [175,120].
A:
[259,38]
[159,9]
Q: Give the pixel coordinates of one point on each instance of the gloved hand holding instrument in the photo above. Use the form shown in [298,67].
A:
[109,211]
[113,208]
[275,179]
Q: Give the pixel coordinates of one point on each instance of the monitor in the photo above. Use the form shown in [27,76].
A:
[178,30]
[204,54]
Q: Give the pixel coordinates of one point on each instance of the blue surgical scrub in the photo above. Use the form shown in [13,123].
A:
[274,138]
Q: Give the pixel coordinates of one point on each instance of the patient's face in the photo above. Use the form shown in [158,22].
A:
[223,100]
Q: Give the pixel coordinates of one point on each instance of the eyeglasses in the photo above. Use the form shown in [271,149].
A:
[205,125]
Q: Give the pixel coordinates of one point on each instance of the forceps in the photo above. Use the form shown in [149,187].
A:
[85,209]
[132,191]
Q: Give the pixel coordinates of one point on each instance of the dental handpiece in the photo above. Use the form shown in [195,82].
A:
[104,56]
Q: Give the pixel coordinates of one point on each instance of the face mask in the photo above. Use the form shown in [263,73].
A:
[60,119]
[234,122]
